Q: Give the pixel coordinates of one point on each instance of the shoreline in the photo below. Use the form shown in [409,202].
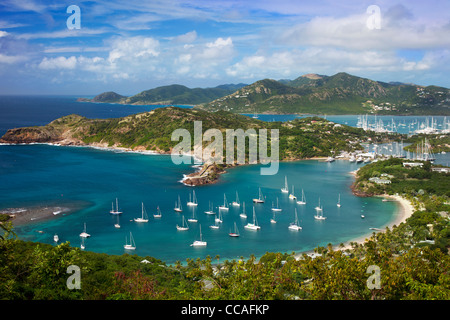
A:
[25,215]
[404,210]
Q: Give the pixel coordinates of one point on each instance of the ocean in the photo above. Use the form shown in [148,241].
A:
[91,179]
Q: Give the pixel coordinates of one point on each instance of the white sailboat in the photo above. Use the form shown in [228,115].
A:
[243,214]
[144,216]
[225,204]
[158,213]
[319,207]
[131,245]
[286,188]
[303,201]
[193,219]
[236,203]
[211,210]
[184,225]
[115,211]
[84,234]
[319,215]
[277,208]
[178,207]
[339,201]
[235,232]
[218,219]
[260,198]
[199,243]
[292,195]
[55,238]
[254,225]
[117,225]
[194,199]
[273,220]
[294,225]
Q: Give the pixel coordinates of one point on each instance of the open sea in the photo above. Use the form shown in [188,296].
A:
[91,179]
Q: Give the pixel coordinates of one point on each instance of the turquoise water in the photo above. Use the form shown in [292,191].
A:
[91,179]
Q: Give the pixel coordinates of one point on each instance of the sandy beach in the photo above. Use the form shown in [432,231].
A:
[31,213]
[404,211]
[21,216]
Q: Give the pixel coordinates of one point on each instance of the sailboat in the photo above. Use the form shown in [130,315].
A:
[218,218]
[286,188]
[255,115]
[117,225]
[243,214]
[273,218]
[254,225]
[184,225]
[158,213]
[193,219]
[131,245]
[303,201]
[319,207]
[225,204]
[339,201]
[199,243]
[260,198]
[292,196]
[84,234]
[194,199]
[319,215]
[55,238]
[237,203]
[211,210]
[178,207]
[115,211]
[144,217]
[235,232]
[294,225]
[277,208]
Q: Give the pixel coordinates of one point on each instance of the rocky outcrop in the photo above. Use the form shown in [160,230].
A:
[31,135]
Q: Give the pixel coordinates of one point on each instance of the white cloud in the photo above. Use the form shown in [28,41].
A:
[219,49]
[58,63]
[132,48]
[188,37]
[351,32]
[8,59]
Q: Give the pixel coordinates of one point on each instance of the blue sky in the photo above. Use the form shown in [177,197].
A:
[130,46]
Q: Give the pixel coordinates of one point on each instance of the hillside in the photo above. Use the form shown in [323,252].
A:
[172,94]
[341,93]
[299,139]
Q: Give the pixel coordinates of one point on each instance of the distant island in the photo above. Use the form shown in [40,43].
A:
[341,93]
[166,95]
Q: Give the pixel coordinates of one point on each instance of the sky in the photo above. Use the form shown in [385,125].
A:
[131,46]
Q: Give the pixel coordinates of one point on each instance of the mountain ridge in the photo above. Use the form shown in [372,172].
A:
[341,93]
[310,93]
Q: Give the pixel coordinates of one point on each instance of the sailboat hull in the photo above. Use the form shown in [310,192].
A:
[198,244]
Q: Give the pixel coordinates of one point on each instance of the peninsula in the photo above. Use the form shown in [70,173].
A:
[151,132]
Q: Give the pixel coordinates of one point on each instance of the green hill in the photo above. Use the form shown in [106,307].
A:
[172,94]
[341,93]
